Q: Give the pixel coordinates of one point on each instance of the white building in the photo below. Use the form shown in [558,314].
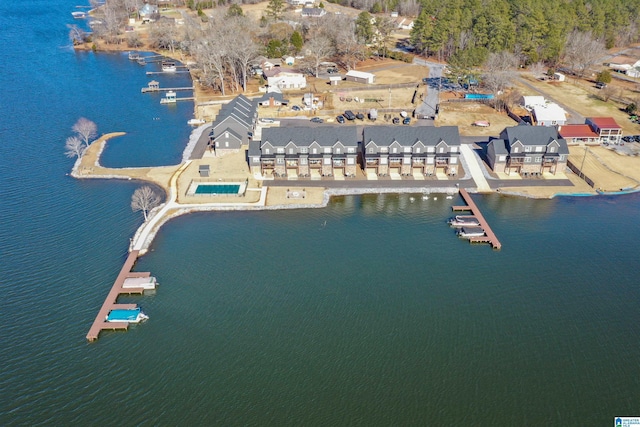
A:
[549,114]
[360,77]
[285,78]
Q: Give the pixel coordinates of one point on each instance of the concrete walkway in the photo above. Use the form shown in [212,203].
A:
[474,168]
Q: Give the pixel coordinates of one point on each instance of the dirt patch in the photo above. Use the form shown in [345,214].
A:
[608,170]
[464,114]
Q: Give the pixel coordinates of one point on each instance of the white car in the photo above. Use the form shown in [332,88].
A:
[266,120]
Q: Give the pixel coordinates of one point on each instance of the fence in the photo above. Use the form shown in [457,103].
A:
[577,171]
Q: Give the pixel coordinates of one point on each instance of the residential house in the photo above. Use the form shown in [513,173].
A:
[296,2]
[528,150]
[305,151]
[403,23]
[313,12]
[411,150]
[607,128]
[284,78]
[233,126]
[272,99]
[549,114]
[579,135]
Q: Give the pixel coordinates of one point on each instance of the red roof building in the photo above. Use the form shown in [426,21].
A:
[579,134]
[607,128]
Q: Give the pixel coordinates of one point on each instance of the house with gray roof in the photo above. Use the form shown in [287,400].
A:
[411,150]
[305,152]
[528,150]
[234,125]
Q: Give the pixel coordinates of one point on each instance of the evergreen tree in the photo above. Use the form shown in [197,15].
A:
[275,8]
[296,41]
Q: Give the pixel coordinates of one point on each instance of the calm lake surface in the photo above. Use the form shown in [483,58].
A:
[368,312]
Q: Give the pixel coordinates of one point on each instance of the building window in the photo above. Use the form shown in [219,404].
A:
[351,161]
[383,161]
[280,161]
[303,161]
[527,149]
[395,150]
[226,144]
[304,150]
[314,151]
[280,151]
[538,159]
[327,161]
[516,149]
[454,149]
[407,149]
[502,158]
[552,149]
[291,151]
[406,160]
[453,160]
[351,150]
[417,149]
[337,151]
[527,159]
[538,149]
[266,151]
[441,150]
[327,150]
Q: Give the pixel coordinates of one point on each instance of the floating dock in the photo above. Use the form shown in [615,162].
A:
[489,236]
[110,303]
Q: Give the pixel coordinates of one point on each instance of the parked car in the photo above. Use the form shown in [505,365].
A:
[267,120]
[406,121]
[340,119]
[600,85]
[360,116]
[349,115]
[332,70]
[396,120]
[296,108]
[317,120]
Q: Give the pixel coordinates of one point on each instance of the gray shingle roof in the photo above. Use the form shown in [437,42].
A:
[534,135]
[409,135]
[325,136]
[499,146]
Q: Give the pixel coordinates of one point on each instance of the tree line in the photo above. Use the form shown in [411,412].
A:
[534,30]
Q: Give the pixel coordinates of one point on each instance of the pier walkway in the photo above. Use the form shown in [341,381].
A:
[110,303]
[489,236]
[474,168]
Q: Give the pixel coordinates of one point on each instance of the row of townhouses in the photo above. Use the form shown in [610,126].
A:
[234,125]
[336,151]
[528,150]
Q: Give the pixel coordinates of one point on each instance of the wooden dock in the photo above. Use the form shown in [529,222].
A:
[489,236]
[110,303]
[163,89]
[166,72]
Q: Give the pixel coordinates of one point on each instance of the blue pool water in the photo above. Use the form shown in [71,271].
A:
[478,96]
[218,189]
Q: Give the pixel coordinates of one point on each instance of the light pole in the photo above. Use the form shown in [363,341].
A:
[583,159]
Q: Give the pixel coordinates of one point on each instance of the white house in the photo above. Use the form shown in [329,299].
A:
[360,77]
[549,114]
[529,102]
[285,78]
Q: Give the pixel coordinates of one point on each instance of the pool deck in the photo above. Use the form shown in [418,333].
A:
[490,236]
[110,303]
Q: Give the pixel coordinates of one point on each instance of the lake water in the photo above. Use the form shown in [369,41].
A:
[368,312]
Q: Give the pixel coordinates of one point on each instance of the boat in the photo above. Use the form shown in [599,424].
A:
[468,232]
[142,61]
[482,123]
[464,221]
[196,122]
[79,15]
[134,56]
[146,283]
[169,67]
[134,315]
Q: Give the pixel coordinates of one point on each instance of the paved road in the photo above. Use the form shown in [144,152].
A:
[432,98]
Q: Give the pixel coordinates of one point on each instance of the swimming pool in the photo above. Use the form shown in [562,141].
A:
[217,189]
[478,96]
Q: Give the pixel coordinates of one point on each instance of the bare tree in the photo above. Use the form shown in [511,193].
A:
[74,147]
[537,69]
[318,49]
[384,28]
[144,199]
[499,71]
[86,130]
[76,35]
[582,51]
[164,35]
